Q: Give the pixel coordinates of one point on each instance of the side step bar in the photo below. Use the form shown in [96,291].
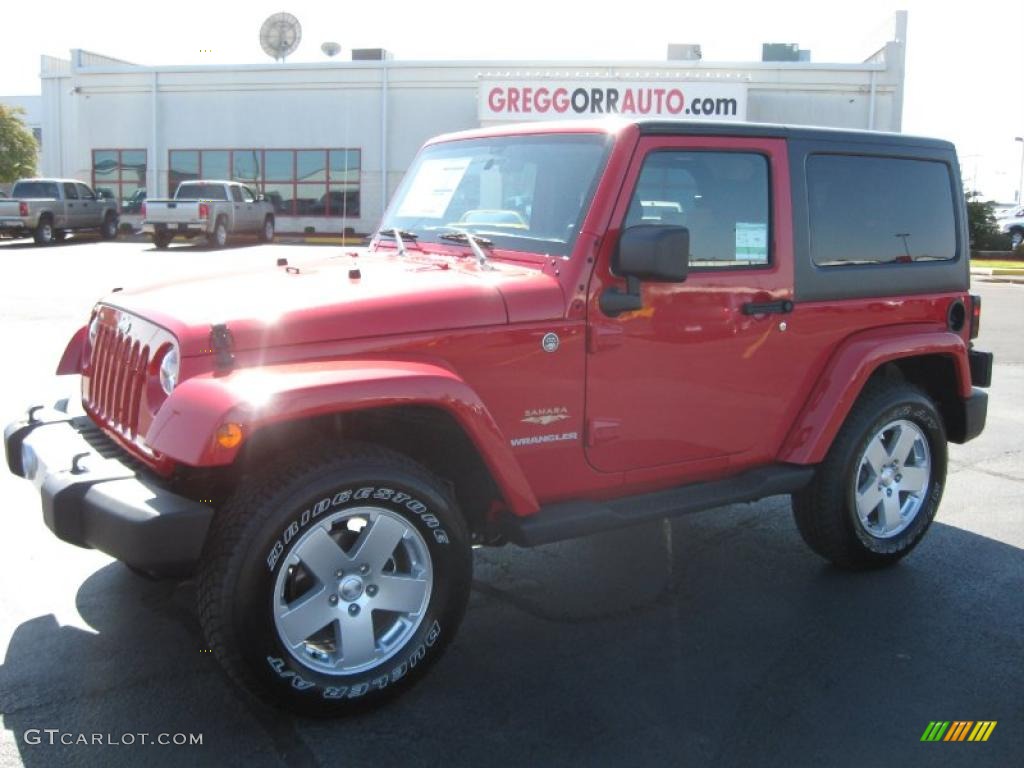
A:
[571,519]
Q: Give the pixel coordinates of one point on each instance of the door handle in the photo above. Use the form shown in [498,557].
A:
[783,307]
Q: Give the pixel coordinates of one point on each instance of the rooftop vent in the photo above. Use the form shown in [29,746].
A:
[684,52]
[370,54]
[784,52]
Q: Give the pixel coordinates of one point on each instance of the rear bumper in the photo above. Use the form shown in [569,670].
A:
[94,498]
[967,420]
[184,227]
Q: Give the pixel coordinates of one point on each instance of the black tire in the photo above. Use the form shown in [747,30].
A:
[162,238]
[267,230]
[826,511]
[249,554]
[219,237]
[44,232]
[108,230]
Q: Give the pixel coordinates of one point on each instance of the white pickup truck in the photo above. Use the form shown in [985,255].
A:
[214,209]
[47,209]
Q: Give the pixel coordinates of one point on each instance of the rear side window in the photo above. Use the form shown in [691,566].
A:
[879,210]
[201,192]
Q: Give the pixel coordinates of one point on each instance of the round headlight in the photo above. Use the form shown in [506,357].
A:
[169,370]
[94,330]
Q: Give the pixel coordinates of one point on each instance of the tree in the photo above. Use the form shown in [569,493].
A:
[982,228]
[17,146]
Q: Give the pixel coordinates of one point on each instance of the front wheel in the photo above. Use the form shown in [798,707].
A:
[335,582]
[108,230]
[267,232]
[877,491]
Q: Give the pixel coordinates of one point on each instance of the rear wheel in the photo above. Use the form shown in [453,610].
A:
[162,238]
[44,231]
[219,237]
[877,491]
[267,232]
[334,583]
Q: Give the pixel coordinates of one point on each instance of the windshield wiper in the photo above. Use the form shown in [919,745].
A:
[398,235]
[474,241]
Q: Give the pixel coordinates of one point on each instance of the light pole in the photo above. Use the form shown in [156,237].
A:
[1020,181]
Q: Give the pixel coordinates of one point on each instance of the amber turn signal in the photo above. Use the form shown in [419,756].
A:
[229,435]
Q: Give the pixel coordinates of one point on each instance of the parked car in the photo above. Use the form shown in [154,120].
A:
[134,203]
[322,447]
[1013,225]
[48,209]
[212,209]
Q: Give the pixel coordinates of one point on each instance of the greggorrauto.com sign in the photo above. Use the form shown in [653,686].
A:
[559,99]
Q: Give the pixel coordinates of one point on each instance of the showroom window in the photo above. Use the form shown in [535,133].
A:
[120,174]
[299,182]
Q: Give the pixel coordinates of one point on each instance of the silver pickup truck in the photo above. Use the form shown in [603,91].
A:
[47,209]
[215,209]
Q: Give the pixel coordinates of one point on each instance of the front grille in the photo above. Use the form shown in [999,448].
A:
[117,375]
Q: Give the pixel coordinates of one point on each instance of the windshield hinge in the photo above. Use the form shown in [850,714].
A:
[222,343]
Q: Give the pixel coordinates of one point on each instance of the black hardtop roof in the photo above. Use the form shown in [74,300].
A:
[656,127]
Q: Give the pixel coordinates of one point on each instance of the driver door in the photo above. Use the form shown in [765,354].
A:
[691,379]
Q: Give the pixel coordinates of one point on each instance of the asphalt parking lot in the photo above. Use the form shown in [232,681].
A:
[717,639]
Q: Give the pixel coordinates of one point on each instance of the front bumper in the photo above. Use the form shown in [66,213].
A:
[93,496]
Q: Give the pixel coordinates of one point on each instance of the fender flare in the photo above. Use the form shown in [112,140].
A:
[74,354]
[184,428]
[849,369]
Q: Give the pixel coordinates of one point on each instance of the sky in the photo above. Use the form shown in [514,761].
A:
[965,61]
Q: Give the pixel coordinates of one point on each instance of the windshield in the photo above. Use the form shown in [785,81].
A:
[524,193]
[30,189]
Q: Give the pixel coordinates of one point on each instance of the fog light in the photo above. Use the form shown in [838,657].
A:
[29,461]
[229,435]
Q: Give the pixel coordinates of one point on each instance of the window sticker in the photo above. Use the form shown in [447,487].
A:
[433,187]
[751,242]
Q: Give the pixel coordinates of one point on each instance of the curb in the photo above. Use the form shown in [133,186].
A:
[996,275]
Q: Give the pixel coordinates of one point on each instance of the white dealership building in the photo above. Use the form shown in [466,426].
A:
[329,141]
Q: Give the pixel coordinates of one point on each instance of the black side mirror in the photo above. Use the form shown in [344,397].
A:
[650,252]
[653,252]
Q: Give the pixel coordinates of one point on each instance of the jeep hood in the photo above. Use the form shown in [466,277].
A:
[339,298]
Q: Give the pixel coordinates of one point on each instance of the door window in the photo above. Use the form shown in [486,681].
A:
[236,194]
[70,193]
[247,195]
[84,192]
[720,197]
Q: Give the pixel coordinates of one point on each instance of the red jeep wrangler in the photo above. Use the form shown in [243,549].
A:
[557,330]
